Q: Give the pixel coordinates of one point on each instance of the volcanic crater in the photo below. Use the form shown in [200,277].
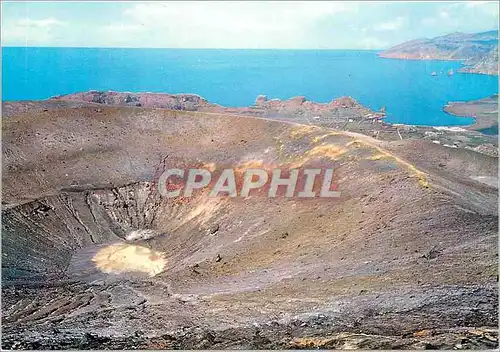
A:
[93,255]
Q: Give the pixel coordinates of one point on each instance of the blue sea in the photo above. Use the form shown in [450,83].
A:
[235,77]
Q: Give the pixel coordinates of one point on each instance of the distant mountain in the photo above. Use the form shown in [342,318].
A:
[488,64]
[479,51]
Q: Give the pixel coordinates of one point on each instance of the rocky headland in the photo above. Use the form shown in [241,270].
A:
[484,111]
[478,51]
[341,108]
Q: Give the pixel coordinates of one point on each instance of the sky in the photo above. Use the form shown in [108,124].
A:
[235,24]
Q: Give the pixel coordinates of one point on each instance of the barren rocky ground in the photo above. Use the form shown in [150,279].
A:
[406,258]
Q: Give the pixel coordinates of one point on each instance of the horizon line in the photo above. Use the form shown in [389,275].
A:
[170,48]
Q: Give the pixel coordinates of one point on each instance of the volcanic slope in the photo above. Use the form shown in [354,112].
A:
[405,258]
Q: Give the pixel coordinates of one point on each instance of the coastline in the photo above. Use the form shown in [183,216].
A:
[476,52]
[195,102]
[297,105]
[344,114]
[465,68]
[484,111]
